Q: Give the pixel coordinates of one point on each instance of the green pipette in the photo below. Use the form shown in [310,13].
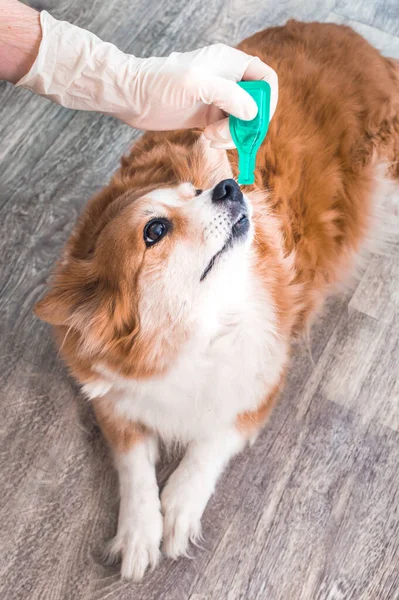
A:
[249,135]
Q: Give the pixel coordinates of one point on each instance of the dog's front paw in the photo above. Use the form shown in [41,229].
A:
[182,510]
[137,544]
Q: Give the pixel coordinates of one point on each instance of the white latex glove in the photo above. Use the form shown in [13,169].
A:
[76,69]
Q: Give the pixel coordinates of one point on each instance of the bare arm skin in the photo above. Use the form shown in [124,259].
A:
[20,36]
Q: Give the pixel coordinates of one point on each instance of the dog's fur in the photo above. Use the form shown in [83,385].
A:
[164,355]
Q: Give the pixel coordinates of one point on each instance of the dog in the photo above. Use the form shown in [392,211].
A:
[178,296]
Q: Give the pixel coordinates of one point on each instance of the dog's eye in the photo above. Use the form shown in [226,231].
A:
[155,231]
[198,192]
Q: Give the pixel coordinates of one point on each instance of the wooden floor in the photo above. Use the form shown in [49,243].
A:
[311,512]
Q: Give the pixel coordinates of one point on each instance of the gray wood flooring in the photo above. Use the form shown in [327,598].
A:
[311,511]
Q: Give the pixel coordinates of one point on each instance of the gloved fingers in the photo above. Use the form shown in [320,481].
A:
[259,70]
[228,96]
[228,99]
[219,135]
[218,59]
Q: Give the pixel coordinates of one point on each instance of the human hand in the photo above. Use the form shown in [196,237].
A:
[184,90]
[197,89]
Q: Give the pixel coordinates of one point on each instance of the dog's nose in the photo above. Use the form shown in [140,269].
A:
[227,189]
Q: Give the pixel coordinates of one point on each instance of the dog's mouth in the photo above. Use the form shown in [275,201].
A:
[239,229]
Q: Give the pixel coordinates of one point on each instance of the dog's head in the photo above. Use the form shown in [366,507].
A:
[153,260]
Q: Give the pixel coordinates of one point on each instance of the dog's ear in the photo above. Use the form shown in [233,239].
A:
[93,307]
[52,309]
[71,294]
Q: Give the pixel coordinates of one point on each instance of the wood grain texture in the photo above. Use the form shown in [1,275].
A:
[311,510]
[381,14]
[378,293]
[359,370]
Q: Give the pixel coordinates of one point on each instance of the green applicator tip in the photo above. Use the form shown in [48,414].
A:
[249,135]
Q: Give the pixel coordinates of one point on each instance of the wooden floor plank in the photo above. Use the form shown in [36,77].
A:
[378,293]
[358,370]
[383,14]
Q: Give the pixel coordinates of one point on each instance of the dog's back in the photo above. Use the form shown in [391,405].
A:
[338,115]
[335,89]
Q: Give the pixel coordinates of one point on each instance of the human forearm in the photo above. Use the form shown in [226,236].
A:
[20,35]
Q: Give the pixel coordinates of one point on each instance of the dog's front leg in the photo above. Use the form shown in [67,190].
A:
[189,488]
[140,521]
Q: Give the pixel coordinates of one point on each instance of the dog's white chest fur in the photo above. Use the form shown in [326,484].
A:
[215,378]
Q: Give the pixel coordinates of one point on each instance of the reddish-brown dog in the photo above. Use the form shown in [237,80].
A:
[178,296]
